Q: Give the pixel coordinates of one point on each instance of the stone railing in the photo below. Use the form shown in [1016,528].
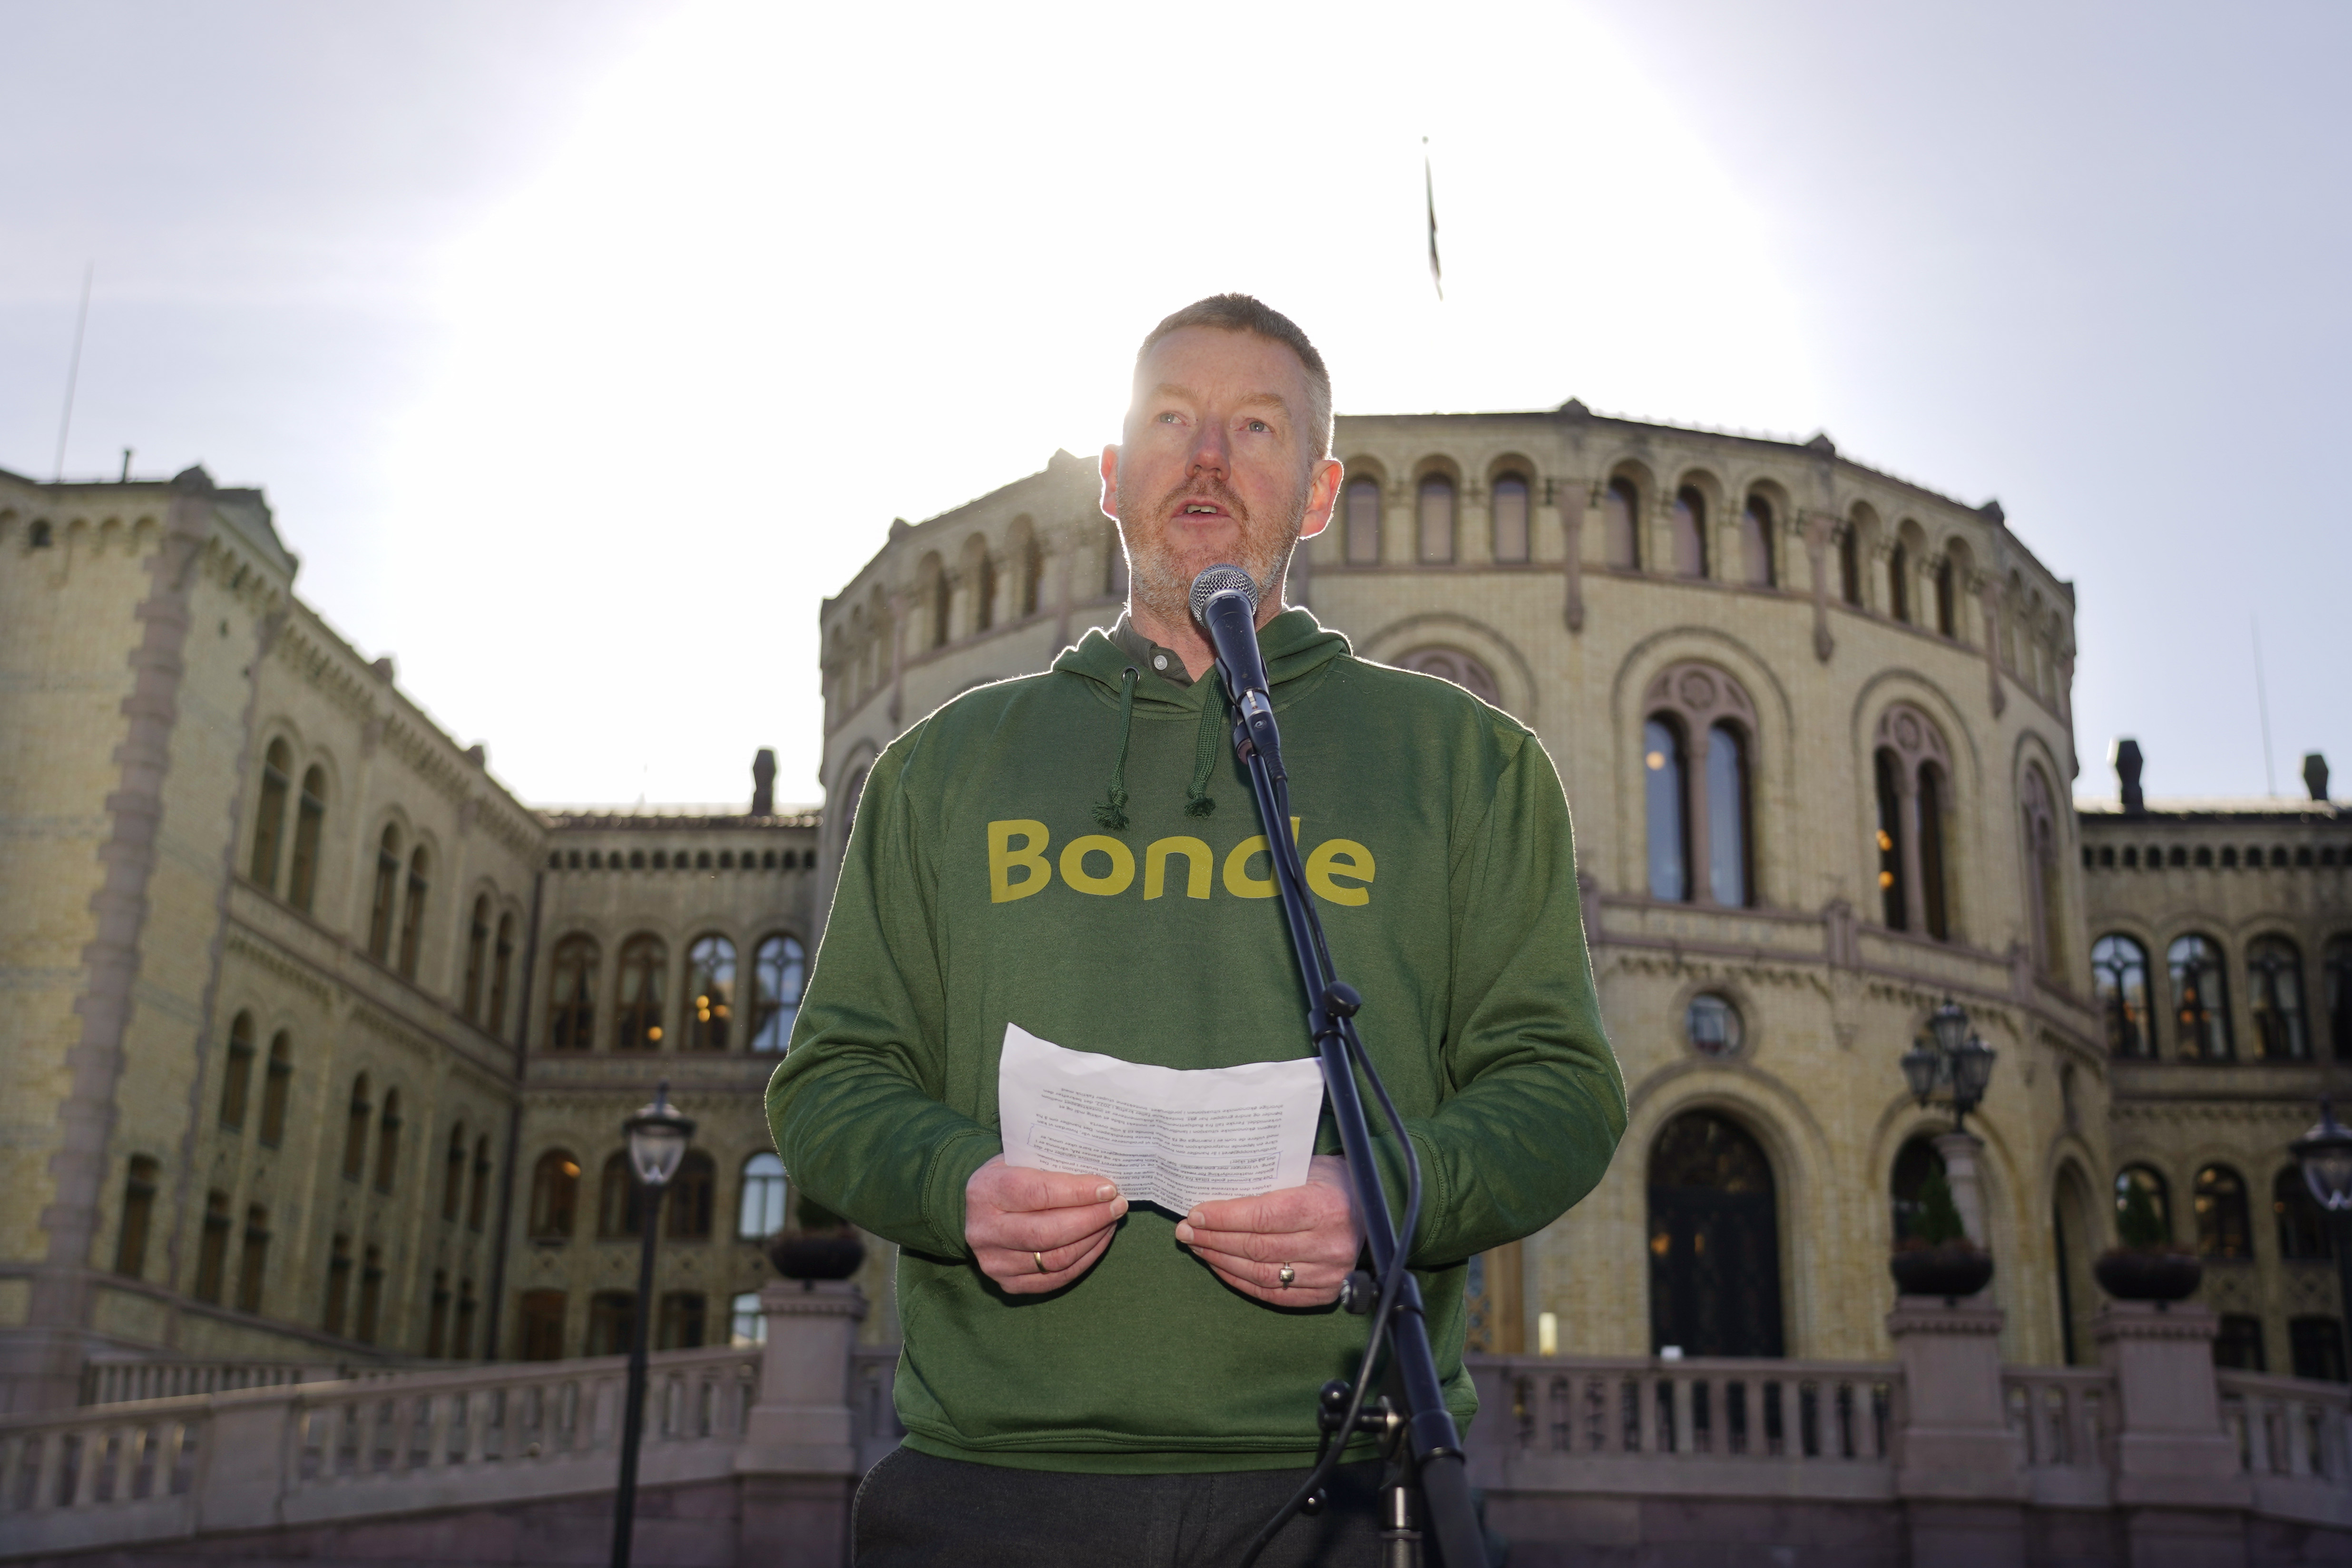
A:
[2295,1439]
[118,1382]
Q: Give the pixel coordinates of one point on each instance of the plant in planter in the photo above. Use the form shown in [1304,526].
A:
[2150,1266]
[822,1245]
[1938,1258]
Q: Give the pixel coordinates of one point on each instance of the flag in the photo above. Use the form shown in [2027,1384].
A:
[1429,189]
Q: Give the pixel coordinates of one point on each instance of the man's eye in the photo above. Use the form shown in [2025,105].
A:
[1260,425]
[1170,416]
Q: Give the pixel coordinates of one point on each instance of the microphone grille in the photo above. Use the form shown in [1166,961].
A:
[1220,580]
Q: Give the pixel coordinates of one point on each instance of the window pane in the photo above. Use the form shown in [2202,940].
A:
[1662,768]
[1893,898]
[2199,999]
[2119,973]
[2275,972]
[778,971]
[1755,542]
[1363,523]
[1727,817]
[1619,510]
[762,1213]
[710,994]
[1510,505]
[1689,528]
[1436,519]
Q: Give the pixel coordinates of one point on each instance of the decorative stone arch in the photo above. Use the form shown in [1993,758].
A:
[933,595]
[2045,862]
[1024,558]
[1956,583]
[1715,522]
[1502,543]
[1403,643]
[1437,531]
[1770,763]
[1357,534]
[976,578]
[1634,475]
[1921,776]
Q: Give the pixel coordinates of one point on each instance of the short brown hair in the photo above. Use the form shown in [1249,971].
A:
[1243,314]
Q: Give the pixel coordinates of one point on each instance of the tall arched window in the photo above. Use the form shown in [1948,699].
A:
[1715,1243]
[309,820]
[138,1215]
[1621,525]
[253,1263]
[1913,769]
[356,1130]
[762,1213]
[1848,546]
[338,1284]
[2335,977]
[478,1194]
[2201,999]
[554,1195]
[980,577]
[693,1195]
[212,1249]
[637,1018]
[2119,977]
[453,1174]
[412,914]
[436,1322]
[571,995]
[269,822]
[478,957]
[386,901]
[710,994]
[501,971]
[1436,519]
[277,1085]
[1756,544]
[931,589]
[1363,523]
[1894,892]
[1509,499]
[1669,809]
[236,1073]
[1932,907]
[2274,987]
[1727,816]
[1687,524]
[1948,618]
[2301,1225]
[2045,903]
[616,1199]
[2146,1181]
[2223,1229]
[1029,570]
[1898,583]
[779,969]
[387,1141]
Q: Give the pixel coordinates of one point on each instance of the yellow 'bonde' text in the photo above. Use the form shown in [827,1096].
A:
[1339,869]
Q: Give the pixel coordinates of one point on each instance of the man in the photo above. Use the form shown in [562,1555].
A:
[1083,1383]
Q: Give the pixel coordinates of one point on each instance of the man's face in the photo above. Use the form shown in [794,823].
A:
[1217,464]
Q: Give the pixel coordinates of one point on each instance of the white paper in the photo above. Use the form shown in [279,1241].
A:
[1166,1135]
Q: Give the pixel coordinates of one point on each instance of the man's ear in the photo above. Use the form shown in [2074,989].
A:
[1110,481]
[1322,497]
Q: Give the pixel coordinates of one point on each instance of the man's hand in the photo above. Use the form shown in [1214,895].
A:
[1311,1228]
[1033,1231]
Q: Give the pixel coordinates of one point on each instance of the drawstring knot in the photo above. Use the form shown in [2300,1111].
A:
[1112,813]
[1198,802]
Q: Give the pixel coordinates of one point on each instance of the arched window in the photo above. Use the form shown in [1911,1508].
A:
[554,1195]
[253,1264]
[371,1295]
[1668,802]
[2275,986]
[501,970]
[477,955]
[2045,904]
[2119,977]
[1436,520]
[1727,816]
[1898,583]
[1687,525]
[637,1018]
[269,823]
[1029,569]
[616,1199]
[1912,770]
[1894,894]
[1621,525]
[382,906]
[571,995]
[310,818]
[2146,1181]
[412,914]
[1463,669]
[453,1174]
[762,1213]
[1931,852]
[356,1130]
[338,1284]
[2335,978]
[1914,1163]
[2301,1225]
[1756,544]
[779,968]
[1948,620]
[710,994]
[138,1215]
[931,589]
[236,1073]
[387,1141]
[478,1200]
[2223,1229]
[1363,523]
[1509,499]
[275,1085]
[1715,1244]
[212,1249]
[693,1195]
[1850,566]
[2201,999]
[979,571]
[461,1341]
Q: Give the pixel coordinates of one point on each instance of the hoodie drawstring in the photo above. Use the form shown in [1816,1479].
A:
[1198,802]
[1112,812]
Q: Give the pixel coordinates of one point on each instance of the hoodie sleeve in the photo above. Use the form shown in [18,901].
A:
[857,1106]
[1535,1102]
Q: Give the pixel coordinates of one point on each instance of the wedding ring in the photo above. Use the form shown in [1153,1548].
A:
[1042,1270]
[1288,1275]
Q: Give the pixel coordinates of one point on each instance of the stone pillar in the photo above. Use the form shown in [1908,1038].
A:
[798,1462]
[1959,1151]
[1961,1470]
[2178,1483]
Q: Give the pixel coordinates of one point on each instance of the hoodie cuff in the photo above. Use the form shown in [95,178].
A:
[949,1171]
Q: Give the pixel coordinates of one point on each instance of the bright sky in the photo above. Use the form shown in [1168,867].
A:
[582,348]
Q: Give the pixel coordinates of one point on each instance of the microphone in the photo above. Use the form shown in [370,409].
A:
[1225,601]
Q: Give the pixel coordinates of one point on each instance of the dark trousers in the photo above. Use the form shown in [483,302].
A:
[915,1511]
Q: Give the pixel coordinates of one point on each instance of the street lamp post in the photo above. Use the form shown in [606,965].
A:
[2325,1155]
[657,1137]
[1957,1060]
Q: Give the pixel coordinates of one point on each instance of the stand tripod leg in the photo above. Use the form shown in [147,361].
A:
[1400,1540]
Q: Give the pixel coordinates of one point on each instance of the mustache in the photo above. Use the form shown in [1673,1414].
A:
[1209,489]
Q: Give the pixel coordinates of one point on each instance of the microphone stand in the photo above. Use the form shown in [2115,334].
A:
[1427,1477]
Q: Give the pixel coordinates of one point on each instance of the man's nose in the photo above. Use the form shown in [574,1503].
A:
[1209,454]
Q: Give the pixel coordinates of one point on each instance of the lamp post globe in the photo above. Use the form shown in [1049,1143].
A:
[658,1137]
[1919,1064]
[1949,1024]
[1971,1073]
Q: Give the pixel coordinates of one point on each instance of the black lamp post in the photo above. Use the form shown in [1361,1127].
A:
[658,1137]
[2325,1154]
[1952,1058]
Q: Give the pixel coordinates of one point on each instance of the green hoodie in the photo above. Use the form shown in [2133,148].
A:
[1032,853]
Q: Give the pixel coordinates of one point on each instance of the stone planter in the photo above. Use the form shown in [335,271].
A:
[1954,1270]
[809,1255]
[2159,1276]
